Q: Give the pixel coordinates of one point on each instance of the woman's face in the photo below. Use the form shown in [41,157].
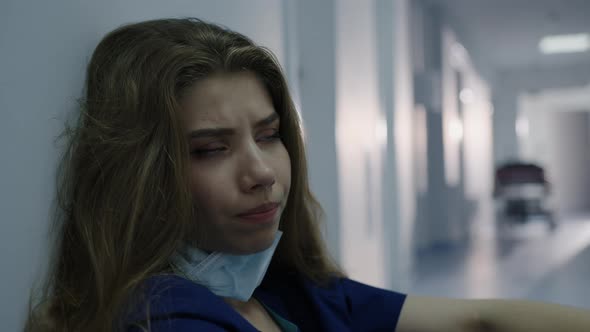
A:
[240,171]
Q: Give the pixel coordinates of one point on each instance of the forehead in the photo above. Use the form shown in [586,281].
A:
[226,99]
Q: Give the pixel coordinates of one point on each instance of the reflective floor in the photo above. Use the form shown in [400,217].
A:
[524,261]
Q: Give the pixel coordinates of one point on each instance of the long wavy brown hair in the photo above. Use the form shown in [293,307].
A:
[123,204]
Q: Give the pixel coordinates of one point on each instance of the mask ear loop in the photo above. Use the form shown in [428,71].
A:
[188,270]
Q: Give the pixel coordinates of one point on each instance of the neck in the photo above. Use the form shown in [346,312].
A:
[241,306]
[237,303]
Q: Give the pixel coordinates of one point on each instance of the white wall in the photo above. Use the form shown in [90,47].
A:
[509,85]
[569,161]
[45,46]
[374,105]
[401,205]
[314,70]
[557,136]
[453,148]
[469,129]
[347,96]
[361,138]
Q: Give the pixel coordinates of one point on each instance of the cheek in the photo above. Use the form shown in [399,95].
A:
[285,172]
[207,191]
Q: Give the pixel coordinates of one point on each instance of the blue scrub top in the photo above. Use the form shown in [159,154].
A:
[178,304]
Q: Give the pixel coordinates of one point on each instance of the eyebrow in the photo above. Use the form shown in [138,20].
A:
[217,132]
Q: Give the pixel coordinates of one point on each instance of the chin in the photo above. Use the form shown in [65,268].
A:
[256,245]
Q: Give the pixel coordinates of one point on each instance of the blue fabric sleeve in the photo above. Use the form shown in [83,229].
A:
[179,324]
[171,303]
[371,308]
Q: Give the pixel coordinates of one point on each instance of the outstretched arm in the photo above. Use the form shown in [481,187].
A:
[428,314]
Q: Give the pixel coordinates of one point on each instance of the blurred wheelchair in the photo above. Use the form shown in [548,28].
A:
[522,191]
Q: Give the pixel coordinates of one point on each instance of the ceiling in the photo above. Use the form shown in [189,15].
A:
[504,34]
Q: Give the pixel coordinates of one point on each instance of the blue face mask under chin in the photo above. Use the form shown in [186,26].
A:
[232,276]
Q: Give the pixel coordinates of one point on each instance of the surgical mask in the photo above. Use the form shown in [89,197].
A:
[233,276]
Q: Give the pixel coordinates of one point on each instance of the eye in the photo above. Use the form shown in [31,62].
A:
[269,135]
[208,152]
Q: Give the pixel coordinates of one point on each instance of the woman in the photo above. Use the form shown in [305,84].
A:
[184,206]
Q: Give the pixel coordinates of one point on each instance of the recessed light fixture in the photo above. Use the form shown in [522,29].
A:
[466,96]
[573,43]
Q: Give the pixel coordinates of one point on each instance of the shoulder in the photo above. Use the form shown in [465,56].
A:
[344,290]
[341,304]
[368,305]
[354,292]
[173,303]
[171,293]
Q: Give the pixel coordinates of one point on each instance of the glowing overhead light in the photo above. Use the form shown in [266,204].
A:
[522,127]
[459,55]
[467,96]
[381,130]
[456,130]
[565,43]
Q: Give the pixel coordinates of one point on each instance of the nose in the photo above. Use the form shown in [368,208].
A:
[256,175]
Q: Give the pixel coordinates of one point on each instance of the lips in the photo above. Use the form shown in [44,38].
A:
[261,209]
[262,214]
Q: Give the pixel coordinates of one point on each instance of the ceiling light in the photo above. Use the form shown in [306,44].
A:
[565,43]
[467,96]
